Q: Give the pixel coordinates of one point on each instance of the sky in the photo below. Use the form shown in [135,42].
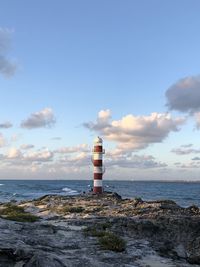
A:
[128,71]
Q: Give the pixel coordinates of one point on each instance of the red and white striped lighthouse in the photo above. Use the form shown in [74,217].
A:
[99,169]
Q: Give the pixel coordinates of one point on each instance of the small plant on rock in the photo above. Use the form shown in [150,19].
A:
[69,209]
[111,241]
[15,213]
[107,239]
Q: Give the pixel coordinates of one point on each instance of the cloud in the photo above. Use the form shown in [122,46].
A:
[73,149]
[25,156]
[190,165]
[2,140]
[15,137]
[187,145]
[26,147]
[14,153]
[135,162]
[5,125]
[57,138]
[18,157]
[135,132]
[39,156]
[196,158]
[185,150]
[177,163]
[102,121]
[184,95]
[80,160]
[43,118]
[7,67]
[197,119]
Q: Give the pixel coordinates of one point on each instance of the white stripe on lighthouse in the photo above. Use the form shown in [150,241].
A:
[98,143]
[97,156]
[98,169]
[98,183]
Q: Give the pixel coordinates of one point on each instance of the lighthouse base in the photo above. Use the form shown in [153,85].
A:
[98,190]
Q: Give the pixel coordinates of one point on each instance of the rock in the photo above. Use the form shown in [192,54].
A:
[193,209]
[194,251]
[44,260]
[160,232]
[7,257]
[181,251]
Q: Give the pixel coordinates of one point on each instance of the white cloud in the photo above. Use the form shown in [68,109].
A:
[15,137]
[5,125]
[197,119]
[80,160]
[102,121]
[57,138]
[187,145]
[196,158]
[73,149]
[7,67]
[184,150]
[184,95]
[2,140]
[38,156]
[135,132]
[134,161]
[14,153]
[27,146]
[104,115]
[190,165]
[43,118]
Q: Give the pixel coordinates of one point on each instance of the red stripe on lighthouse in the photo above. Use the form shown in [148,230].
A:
[98,149]
[98,176]
[97,162]
[98,190]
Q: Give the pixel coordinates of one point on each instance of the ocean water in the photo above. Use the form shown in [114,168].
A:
[184,193]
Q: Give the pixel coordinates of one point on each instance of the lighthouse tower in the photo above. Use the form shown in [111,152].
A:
[99,169]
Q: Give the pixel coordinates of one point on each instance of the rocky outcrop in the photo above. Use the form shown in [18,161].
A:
[156,233]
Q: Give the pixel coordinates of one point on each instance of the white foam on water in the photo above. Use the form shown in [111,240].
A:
[1,184]
[69,191]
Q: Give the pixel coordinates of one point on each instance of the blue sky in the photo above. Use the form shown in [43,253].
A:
[63,62]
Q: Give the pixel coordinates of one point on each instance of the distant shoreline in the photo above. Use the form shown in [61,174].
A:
[108,180]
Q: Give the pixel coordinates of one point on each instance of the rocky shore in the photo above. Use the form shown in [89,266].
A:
[100,231]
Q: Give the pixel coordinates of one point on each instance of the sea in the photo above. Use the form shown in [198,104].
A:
[183,193]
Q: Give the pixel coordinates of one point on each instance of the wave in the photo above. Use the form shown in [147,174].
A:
[69,191]
[1,184]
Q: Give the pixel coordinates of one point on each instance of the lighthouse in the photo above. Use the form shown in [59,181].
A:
[99,169]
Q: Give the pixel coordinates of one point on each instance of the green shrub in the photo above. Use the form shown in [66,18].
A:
[73,209]
[22,217]
[16,213]
[92,231]
[106,225]
[107,239]
[10,208]
[97,229]
[110,241]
